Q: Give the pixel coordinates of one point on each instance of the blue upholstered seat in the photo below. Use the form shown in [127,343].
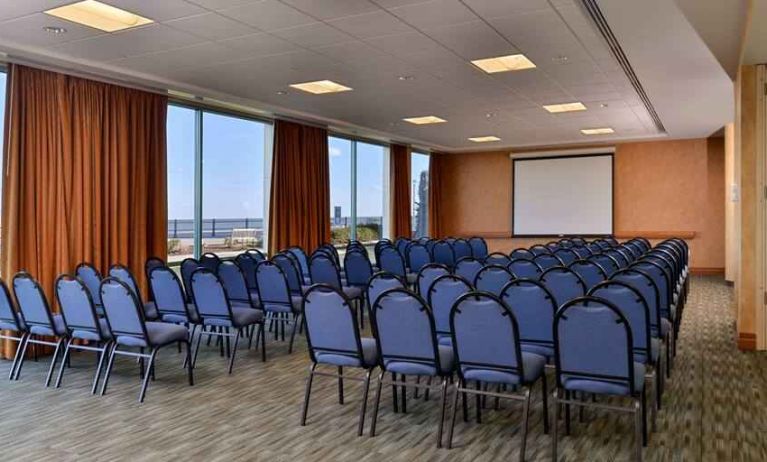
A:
[604,386]
[369,355]
[158,334]
[57,329]
[532,366]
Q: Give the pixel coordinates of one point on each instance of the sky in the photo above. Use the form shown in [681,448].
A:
[2,116]
[370,177]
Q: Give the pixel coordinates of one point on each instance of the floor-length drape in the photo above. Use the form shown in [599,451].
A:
[84,177]
[299,210]
[436,167]
[401,219]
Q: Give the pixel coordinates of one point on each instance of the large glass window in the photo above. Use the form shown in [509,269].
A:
[181,192]
[419,196]
[340,152]
[370,181]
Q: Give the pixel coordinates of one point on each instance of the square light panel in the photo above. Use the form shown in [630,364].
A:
[597,131]
[565,107]
[484,139]
[425,120]
[99,15]
[504,63]
[320,87]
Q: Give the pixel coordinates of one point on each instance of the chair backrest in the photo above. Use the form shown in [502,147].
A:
[564,284]
[485,335]
[603,244]
[566,243]
[189,266]
[272,284]
[592,341]
[380,245]
[655,271]
[77,306]
[578,241]
[547,260]
[619,258]
[633,306]
[524,268]
[582,252]
[418,256]
[497,258]
[522,253]
[380,283]
[492,279]
[553,246]
[594,248]
[123,273]
[332,251]
[122,309]
[32,301]
[357,267]
[151,263]
[478,248]
[635,248]
[323,270]
[567,256]
[626,253]
[461,249]
[302,259]
[606,262]
[441,297]
[256,254]
[644,284]
[402,244]
[331,324]
[391,261]
[467,268]
[233,279]
[539,249]
[210,296]
[8,314]
[169,296]
[591,273]
[248,266]
[443,253]
[210,260]
[534,306]
[92,280]
[427,276]
[290,268]
[404,328]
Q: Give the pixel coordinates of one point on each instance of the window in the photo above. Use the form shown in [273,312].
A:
[2,118]
[419,196]
[358,201]
[217,181]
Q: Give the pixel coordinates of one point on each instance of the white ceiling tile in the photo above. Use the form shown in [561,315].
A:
[28,30]
[211,26]
[434,13]
[332,9]
[396,3]
[472,40]
[405,44]
[496,8]
[373,24]
[179,59]
[15,9]
[158,10]
[268,15]
[220,4]
[314,35]
[260,44]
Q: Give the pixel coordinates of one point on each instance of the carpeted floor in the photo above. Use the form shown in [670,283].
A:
[715,410]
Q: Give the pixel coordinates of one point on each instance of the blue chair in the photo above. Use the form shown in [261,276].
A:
[418,256]
[524,268]
[547,261]
[333,339]
[279,304]
[582,252]
[497,258]
[468,267]
[594,354]
[303,262]
[594,248]
[619,258]
[443,253]
[39,321]
[391,261]
[210,261]
[380,283]
[661,279]
[635,248]
[12,326]
[248,266]
[125,316]
[427,276]
[626,253]
[553,246]
[123,274]
[478,248]
[332,251]
[603,244]
[170,299]
[522,253]
[578,241]
[378,247]
[591,273]
[567,256]
[236,284]
[290,266]
[81,322]
[189,266]
[402,244]
[566,243]
[493,279]
[486,345]
[256,254]
[461,249]
[564,284]
[441,296]
[407,345]
[219,313]
[539,249]
[92,280]
[606,262]
[323,270]
[357,268]
[152,263]
[534,306]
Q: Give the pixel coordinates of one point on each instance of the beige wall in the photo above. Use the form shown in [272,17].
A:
[661,187]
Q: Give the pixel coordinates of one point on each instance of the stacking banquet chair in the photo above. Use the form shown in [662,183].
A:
[277,301]
[380,283]
[567,256]
[486,345]
[619,258]
[150,264]
[444,253]
[218,313]
[578,241]
[333,339]
[591,273]
[594,248]
[391,261]
[522,253]
[126,321]
[566,243]
[441,296]
[606,262]
[461,249]
[563,284]
[248,266]
[170,300]
[289,265]
[497,258]
[478,248]
[123,274]
[627,255]
[468,267]
[92,280]
[492,279]
[210,261]
[603,244]
[427,275]
[380,245]
[666,308]
[635,248]
[357,268]
[418,256]
[407,345]
[323,270]
[240,297]
[524,268]
[534,307]
[594,354]
[582,252]
[37,318]
[553,246]
[81,322]
[539,250]
[548,260]
[303,262]
[188,267]
[402,244]
[12,326]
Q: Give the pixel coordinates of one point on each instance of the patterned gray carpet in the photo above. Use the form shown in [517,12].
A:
[715,410]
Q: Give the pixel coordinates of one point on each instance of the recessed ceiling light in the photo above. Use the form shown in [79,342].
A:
[282,92]
[54,30]
[490,115]
[604,105]
[597,131]
[484,139]
[405,77]
[561,59]
[424,120]
[504,63]
[99,15]
[565,107]
[320,87]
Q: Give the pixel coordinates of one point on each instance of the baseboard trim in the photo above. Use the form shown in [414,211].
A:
[707,271]
[746,341]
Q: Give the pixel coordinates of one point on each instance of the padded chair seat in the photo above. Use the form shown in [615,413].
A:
[9,326]
[532,366]
[604,387]
[150,310]
[446,362]
[90,335]
[369,356]
[295,300]
[254,296]
[179,318]
[542,350]
[352,292]
[158,334]
[58,328]
[241,316]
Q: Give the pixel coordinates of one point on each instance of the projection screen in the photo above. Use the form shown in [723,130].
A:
[563,195]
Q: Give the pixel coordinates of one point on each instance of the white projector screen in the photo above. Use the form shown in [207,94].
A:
[563,195]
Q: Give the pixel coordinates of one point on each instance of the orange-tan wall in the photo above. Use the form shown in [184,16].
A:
[660,187]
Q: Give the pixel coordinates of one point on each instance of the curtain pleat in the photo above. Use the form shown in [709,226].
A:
[399,186]
[299,210]
[436,167]
[84,177]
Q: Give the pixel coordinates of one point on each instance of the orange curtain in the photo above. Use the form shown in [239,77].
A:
[84,177]
[436,167]
[299,210]
[399,185]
